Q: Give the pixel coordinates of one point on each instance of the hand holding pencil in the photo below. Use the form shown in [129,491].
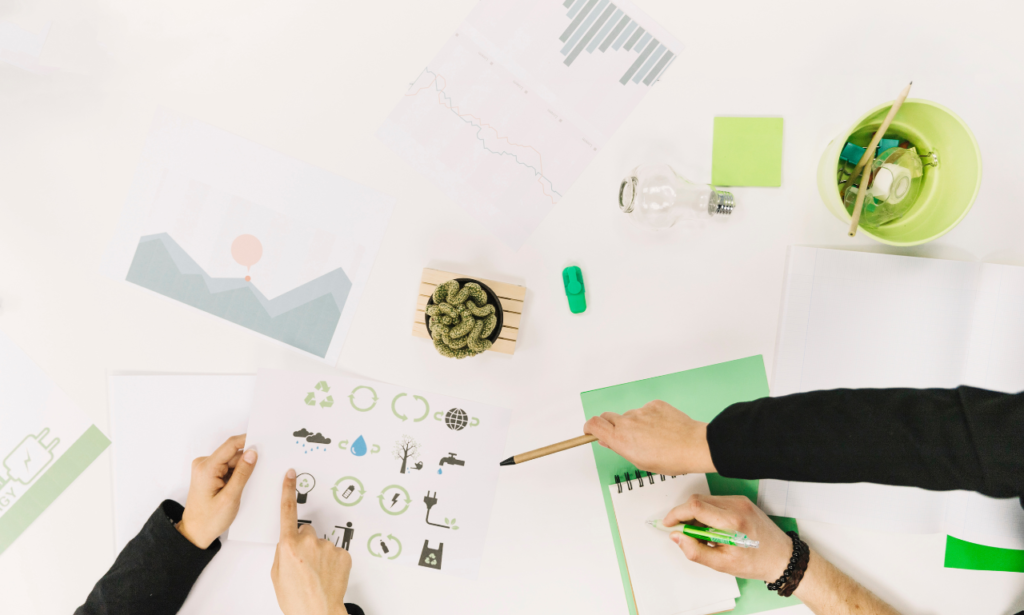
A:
[655,438]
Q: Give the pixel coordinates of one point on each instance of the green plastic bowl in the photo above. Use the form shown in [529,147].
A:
[949,189]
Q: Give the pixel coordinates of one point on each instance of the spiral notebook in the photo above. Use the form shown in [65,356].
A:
[664,581]
[701,393]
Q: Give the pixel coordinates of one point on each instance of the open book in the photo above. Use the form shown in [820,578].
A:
[664,581]
[859,320]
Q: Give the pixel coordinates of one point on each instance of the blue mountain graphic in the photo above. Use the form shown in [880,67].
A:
[305,317]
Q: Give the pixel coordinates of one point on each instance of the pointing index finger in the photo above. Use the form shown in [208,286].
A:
[289,510]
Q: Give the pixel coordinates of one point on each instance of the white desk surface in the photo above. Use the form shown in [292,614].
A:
[314,79]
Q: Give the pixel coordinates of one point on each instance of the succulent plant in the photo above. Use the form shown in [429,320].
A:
[461,319]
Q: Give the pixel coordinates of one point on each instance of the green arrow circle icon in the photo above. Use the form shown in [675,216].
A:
[380,500]
[334,490]
[391,537]
[370,542]
[352,398]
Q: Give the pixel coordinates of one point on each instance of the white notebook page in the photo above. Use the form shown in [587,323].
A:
[664,581]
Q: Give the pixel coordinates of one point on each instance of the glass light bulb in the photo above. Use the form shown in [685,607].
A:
[657,197]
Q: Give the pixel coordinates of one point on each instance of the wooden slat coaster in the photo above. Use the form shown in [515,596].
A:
[511,297]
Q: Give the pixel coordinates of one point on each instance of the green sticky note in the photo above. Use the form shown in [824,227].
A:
[971,556]
[701,393]
[747,151]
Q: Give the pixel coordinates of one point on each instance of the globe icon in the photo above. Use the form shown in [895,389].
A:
[456,419]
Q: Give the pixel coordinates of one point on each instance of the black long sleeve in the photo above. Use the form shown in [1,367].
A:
[939,439]
[154,572]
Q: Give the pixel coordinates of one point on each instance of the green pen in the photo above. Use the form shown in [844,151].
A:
[708,534]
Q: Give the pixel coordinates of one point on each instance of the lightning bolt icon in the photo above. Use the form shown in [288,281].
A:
[28,459]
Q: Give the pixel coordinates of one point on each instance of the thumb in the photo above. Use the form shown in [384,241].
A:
[240,475]
[698,552]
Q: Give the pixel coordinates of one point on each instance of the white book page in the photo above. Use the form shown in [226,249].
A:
[892,509]
[664,581]
[854,319]
[995,361]
[995,356]
[859,320]
[983,520]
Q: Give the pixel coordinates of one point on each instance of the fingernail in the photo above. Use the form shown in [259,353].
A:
[676,537]
[250,456]
[291,473]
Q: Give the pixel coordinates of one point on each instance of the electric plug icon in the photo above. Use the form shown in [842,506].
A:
[431,501]
[30,457]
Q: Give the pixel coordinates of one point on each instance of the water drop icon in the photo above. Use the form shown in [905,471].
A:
[439,470]
[359,447]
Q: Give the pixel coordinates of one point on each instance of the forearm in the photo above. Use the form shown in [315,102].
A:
[154,573]
[939,439]
[826,590]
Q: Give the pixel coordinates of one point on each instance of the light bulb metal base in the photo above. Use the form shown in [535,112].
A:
[721,203]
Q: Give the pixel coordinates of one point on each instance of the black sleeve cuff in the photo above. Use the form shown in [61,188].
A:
[154,572]
[172,512]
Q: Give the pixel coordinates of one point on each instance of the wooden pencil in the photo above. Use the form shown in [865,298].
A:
[865,179]
[869,155]
[547,450]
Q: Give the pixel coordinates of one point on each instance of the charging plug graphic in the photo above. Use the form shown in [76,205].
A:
[29,458]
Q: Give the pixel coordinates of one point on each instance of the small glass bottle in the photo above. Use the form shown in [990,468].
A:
[657,197]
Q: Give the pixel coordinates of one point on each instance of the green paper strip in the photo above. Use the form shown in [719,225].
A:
[52,483]
[971,556]
[701,393]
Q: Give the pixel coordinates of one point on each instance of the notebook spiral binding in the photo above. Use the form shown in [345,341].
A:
[639,479]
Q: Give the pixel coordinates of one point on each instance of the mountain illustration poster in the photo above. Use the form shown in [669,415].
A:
[243,233]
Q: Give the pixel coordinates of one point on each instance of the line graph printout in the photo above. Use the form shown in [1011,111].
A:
[518,102]
[240,232]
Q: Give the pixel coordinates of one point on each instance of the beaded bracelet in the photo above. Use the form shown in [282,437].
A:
[794,573]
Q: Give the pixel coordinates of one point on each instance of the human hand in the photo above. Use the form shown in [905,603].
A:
[215,491]
[656,438]
[310,574]
[738,514]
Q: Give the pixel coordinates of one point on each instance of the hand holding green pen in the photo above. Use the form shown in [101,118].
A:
[708,534]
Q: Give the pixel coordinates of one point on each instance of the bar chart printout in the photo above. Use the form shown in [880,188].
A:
[522,97]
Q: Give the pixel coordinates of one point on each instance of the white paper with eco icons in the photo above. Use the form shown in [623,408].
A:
[393,474]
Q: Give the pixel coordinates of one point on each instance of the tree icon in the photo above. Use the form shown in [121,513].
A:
[405,449]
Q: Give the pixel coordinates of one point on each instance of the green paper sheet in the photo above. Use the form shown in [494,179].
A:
[747,151]
[971,556]
[701,393]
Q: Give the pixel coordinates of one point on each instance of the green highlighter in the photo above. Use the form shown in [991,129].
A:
[572,279]
[708,534]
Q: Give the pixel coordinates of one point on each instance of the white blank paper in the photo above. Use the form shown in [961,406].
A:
[160,424]
[664,581]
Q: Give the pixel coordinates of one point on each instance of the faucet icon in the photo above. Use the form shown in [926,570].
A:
[450,459]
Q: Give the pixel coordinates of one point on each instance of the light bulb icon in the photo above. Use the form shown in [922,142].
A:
[29,458]
[304,483]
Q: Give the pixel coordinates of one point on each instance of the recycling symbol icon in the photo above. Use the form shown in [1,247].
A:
[322,392]
[430,560]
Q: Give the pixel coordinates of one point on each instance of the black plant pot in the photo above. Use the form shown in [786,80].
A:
[491,298]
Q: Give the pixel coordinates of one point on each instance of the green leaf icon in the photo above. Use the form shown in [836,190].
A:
[455,527]
[447,521]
